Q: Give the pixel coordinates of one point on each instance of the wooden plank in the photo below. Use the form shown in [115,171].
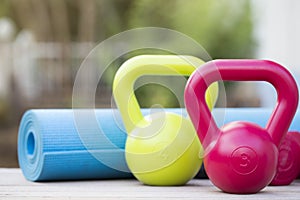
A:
[14,186]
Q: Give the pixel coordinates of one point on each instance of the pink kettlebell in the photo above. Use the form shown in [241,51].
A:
[241,157]
[288,168]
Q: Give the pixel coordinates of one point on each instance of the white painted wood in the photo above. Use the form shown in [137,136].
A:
[14,186]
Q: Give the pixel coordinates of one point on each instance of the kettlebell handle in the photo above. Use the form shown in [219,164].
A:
[241,70]
[135,67]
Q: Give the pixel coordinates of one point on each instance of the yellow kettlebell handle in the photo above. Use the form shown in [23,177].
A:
[132,69]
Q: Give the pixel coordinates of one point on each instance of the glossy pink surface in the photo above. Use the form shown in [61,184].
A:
[288,168]
[241,157]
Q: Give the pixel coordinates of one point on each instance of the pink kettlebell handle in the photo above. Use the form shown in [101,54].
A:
[241,70]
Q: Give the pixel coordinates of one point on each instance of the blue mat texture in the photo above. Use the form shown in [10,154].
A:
[52,146]
[63,144]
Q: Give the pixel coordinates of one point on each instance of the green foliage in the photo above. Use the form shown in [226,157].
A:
[155,94]
[4,8]
[222,27]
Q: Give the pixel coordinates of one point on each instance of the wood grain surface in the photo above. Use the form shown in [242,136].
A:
[14,186]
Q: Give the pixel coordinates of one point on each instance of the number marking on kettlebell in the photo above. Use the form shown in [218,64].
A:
[286,154]
[244,160]
[161,146]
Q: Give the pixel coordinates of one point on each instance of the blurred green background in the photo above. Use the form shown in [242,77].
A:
[43,42]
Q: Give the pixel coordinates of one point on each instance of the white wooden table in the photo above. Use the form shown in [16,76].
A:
[14,186]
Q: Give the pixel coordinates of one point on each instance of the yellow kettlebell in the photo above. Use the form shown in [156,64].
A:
[161,148]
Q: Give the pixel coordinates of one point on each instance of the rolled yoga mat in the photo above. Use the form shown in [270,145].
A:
[259,116]
[66,144]
[51,148]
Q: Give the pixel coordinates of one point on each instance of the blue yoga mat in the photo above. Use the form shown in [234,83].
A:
[58,144]
[259,116]
[67,145]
